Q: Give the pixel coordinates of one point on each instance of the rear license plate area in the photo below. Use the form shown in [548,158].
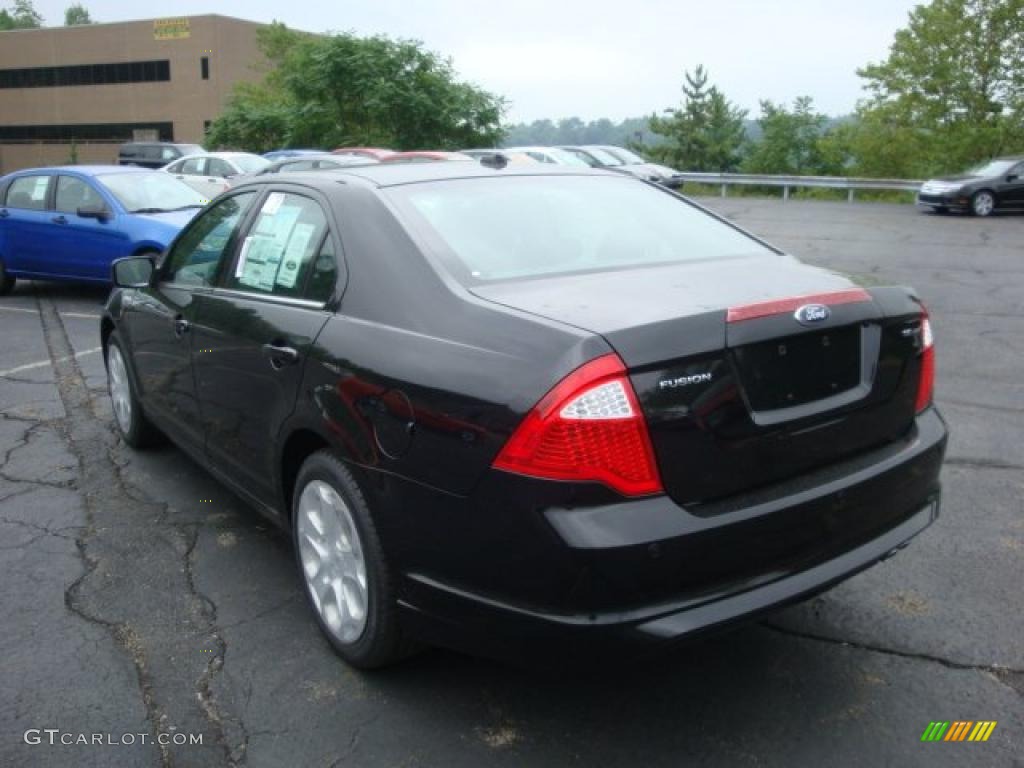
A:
[794,370]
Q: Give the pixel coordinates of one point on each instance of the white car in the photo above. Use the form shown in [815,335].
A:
[210,173]
[552,155]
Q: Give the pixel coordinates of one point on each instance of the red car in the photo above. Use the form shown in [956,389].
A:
[377,153]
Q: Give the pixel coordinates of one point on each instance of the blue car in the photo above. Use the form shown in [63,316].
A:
[70,223]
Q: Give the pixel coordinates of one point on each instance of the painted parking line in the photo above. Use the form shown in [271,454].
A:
[42,363]
[85,315]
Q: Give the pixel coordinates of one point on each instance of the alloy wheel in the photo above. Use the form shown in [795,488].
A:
[983,203]
[332,560]
[120,388]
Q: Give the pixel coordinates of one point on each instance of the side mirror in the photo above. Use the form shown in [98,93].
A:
[94,212]
[132,271]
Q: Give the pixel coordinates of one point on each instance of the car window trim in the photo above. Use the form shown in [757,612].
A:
[272,299]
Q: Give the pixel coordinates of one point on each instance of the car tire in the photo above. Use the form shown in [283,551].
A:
[983,202]
[6,281]
[346,577]
[131,422]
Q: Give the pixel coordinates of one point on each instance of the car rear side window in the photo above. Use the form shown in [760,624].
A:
[28,192]
[512,227]
[196,256]
[74,193]
[282,247]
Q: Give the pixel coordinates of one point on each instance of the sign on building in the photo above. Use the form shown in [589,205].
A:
[170,29]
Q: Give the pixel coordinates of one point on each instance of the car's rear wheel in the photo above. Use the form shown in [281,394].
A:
[983,203]
[6,281]
[131,422]
[342,564]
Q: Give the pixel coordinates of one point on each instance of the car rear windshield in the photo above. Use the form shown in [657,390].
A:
[527,226]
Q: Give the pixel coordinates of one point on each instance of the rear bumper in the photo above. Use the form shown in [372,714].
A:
[643,573]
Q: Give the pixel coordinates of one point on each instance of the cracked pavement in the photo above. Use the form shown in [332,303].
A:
[131,605]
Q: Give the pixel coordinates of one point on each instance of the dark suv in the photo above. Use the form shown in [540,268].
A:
[154,154]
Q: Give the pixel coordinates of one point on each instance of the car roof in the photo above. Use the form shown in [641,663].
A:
[390,175]
[85,170]
[224,155]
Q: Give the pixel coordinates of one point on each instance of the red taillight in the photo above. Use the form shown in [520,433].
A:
[588,428]
[926,381]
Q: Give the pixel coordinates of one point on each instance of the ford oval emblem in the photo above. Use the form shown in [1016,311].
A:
[811,314]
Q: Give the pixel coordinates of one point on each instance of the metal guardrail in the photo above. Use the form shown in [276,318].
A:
[849,183]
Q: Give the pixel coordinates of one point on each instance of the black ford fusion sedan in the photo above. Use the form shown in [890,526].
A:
[526,409]
[997,184]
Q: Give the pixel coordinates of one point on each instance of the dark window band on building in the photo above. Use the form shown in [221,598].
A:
[87,74]
[82,132]
[204,65]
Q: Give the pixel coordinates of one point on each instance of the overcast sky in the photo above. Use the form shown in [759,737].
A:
[598,58]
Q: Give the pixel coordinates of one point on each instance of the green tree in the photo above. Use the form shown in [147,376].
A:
[77,15]
[791,140]
[21,15]
[951,91]
[338,90]
[705,133]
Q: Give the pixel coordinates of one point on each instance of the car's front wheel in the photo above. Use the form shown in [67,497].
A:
[342,564]
[6,281]
[983,203]
[131,422]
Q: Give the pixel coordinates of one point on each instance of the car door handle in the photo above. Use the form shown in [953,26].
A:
[181,326]
[180,178]
[59,220]
[280,355]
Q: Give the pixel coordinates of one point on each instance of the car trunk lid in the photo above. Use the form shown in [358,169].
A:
[737,393]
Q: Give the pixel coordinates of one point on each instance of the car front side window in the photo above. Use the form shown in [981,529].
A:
[74,193]
[192,167]
[219,168]
[282,248]
[196,256]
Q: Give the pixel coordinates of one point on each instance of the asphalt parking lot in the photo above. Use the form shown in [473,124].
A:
[139,595]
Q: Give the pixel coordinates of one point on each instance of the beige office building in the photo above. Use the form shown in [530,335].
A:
[85,90]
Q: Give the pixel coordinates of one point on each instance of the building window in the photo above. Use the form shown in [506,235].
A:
[87,74]
[61,134]
[204,65]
